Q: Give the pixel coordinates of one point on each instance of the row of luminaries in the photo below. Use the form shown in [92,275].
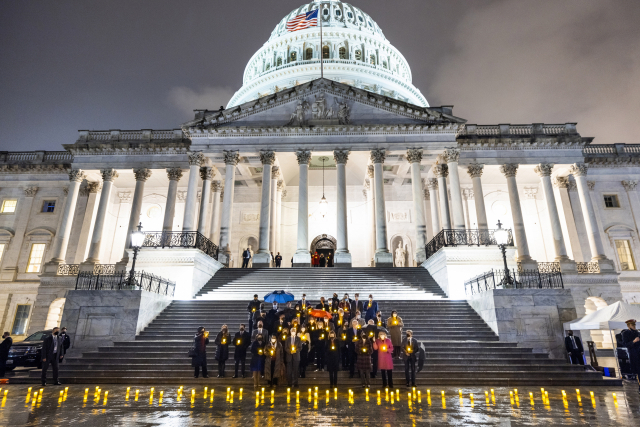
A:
[283,343]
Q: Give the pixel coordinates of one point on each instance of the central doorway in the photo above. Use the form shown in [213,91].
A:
[324,244]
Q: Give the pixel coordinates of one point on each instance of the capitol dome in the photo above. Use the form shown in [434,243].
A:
[354,52]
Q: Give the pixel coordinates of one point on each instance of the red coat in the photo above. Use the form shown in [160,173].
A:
[315,259]
[385,357]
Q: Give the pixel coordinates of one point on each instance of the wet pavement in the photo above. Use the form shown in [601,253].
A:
[111,405]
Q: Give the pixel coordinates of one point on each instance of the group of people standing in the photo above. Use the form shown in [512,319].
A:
[321,260]
[334,335]
[247,256]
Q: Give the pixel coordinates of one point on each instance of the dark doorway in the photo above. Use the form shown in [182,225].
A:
[328,254]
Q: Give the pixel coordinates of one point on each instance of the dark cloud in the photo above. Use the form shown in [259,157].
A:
[70,65]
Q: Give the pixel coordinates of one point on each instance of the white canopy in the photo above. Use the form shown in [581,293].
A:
[607,318]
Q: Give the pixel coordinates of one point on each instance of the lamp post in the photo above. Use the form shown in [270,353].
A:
[137,239]
[324,205]
[502,239]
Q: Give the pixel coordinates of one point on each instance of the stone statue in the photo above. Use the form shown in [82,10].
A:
[400,255]
[250,259]
[343,113]
[298,117]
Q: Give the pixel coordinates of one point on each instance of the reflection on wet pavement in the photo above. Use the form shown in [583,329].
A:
[115,405]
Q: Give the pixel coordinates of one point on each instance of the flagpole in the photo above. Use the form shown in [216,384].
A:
[321,51]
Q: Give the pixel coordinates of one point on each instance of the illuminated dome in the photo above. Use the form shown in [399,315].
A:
[355,52]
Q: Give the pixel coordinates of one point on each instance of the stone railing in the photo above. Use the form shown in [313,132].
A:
[462,237]
[588,267]
[507,130]
[131,135]
[554,267]
[35,157]
[74,269]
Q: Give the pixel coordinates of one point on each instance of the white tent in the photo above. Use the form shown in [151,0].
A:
[607,318]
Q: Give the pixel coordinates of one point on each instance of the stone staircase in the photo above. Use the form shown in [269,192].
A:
[460,348]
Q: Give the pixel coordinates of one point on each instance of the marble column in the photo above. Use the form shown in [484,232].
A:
[371,197]
[76,176]
[342,256]
[467,194]
[544,172]
[273,215]
[196,159]
[475,172]
[579,172]
[174,175]
[214,233]
[141,175]
[414,157]
[230,160]
[282,193]
[432,186]
[108,176]
[427,211]
[383,257]
[450,156]
[302,257]
[509,171]
[206,173]
[262,258]
[441,171]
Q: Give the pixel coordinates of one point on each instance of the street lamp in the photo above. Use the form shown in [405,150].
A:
[502,239]
[324,205]
[137,239]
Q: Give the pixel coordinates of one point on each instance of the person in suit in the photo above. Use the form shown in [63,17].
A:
[363,352]
[333,358]
[631,340]
[66,339]
[278,260]
[253,308]
[353,335]
[292,351]
[345,305]
[356,305]
[380,322]
[372,332]
[322,335]
[334,302]
[410,347]
[279,325]
[52,354]
[305,343]
[371,308]
[574,348]
[241,341]
[322,305]
[304,302]
[395,325]
[260,330]
[322,262]
[257,359]
[6,344]
[272,317]
[199,359]
[246,257]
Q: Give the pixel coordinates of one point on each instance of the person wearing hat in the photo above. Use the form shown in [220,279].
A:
[631,340]
[574,348]
[253,308]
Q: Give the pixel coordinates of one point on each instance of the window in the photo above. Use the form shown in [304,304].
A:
[20,321]
[9,206]
[325,12]
[308,54]
[279,62]
[35,258]
[294,56]
[325,52]
[360,19]
[384,65]
[350,15]
[611,201]
[624,255]
[372,59]
[371,25]
[268,66]
[358,55]
[2,246]
[343,53]
[338,13]
[48,205]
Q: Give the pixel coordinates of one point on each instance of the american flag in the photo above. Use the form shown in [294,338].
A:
[306,20]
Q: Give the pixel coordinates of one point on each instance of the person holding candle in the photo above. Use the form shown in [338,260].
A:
[253,308]
[363,352]
[335,303]
[332,357]
[292,348]
[257,359]
[395,324]
[384,347]
[223,339]
[274,362]
[345,305]
[322,336]
[304,303]
[356,305]
[279,325]
[260,331]
[380,322]
[371,308]
[305,343]
[353,334]
[241,341]
[372,332]
[322,305]
[341,325]
[410,348]
[199,352]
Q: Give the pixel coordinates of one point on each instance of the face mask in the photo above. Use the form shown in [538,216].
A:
[273,340]
[55,333]
[241,329]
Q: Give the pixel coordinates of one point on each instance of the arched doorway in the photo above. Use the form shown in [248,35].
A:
[403,242]
[54,316]
[324,244]
[247,242]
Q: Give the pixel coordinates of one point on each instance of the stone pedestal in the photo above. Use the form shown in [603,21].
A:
[341,259]
[383,259]
[302,260]
[261,260]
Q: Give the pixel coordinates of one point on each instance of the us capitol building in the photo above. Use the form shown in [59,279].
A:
[356,165]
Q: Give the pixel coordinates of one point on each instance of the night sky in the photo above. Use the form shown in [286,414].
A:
[123,64]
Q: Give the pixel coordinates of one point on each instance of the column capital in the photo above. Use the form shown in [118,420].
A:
[426,194]
[591,185]
[451,155]
[378,155]
[630,185]
[509,170]
[414,155]
[94,187]
[304,157]
[560,182]
[174,174]
[475,170]
[440,170]
[544,169]
[267,157]
[432,184]
[275,172]
[284,194]
[76,175]
[206,173]
[65,190]
[579,169]
[231,157]
[196,158]
[216,186]
[370,171]
[108,175]
[142,174]
[280,185]
[341,156]
[30,191]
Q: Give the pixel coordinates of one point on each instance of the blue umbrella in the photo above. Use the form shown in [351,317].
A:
[280,297]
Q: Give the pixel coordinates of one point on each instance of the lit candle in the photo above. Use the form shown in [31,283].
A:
[259,351]
[409,349]
[238,342]
[253,309]
[344,337]
[224,340]
[364,350]
[271,352]
[322,336]
[293,349]
[395,322]
[333,347]
[384,348]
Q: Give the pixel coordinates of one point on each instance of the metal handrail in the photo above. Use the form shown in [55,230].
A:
[516,279]
[463,237]
[121,280]
[180,239]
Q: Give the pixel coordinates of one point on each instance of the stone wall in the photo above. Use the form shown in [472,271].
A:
[51,288]
[529,317]
[100,318]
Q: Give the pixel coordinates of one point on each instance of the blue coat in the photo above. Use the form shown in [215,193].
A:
[370,312]
[257,359]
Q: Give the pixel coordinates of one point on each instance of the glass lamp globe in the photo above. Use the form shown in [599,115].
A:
[501,235]
[137,238]
[324,207]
